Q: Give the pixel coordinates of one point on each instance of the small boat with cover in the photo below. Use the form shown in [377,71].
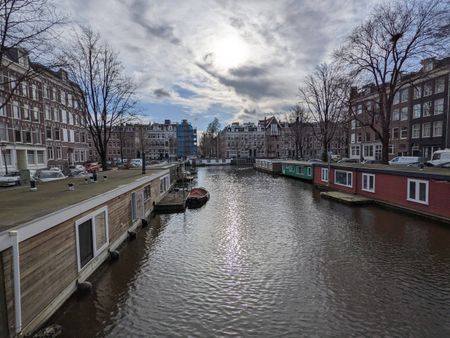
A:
[197,197]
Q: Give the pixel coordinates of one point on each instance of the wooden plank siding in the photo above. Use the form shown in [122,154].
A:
[48,260]
[9,288]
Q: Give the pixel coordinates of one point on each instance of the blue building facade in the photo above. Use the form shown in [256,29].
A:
[186,140]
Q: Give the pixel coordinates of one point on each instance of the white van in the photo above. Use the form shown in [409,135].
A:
[405,160]
[440,156]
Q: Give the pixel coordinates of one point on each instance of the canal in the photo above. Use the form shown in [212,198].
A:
[267,257]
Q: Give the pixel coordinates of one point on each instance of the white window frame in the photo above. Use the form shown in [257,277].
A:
[324,174]
[368,180]
[417,182]
[96,250]
[346,172]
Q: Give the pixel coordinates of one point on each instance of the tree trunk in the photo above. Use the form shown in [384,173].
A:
[325,150]
[385,146]
[103,160]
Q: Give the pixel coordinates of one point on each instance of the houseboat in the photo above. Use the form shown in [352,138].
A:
[298,169]
[271,166]
[424,191]
[53,239]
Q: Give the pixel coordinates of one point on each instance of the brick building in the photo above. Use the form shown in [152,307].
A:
[41,125]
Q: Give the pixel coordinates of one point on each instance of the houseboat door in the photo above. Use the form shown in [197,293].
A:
[86,242]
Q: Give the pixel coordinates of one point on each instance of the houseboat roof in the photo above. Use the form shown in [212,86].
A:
[295,162]
[402,170]
[20,205]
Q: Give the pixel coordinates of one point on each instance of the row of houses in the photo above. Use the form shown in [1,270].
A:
[42,123]
[272,138]
[420,115]
[158,141]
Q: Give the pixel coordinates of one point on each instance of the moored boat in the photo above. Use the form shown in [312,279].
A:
[197,197]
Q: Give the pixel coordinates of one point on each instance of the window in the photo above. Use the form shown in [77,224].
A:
[426,129]
[395,133]
[15,106]
[417,93]
[40,157]
[427,89]
[415,131]
[343,178]
[359,109]
[164,184]
[378,151]
[3,132]
[417,111]
[50,153]
[391,149]
[355,151]
[417,191]
[2,107]
[404,114]
[324,174]
[30,157]
[395,115]
[28,136]
[352,138]
[404,133]
[396,98]
[58,153]
[368,182]
[17,135]
[48,132]
[57,134]
[437,128]
[35,114]
[439,107]
[353,124]
[439,85]
[308,171]
[92,236]
[25,112]
[405,95]
[47,113]
[427,109]
[147,192]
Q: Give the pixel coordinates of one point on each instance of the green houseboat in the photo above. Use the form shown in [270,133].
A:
[298,169]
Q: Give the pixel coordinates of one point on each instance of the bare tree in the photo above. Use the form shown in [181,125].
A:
[209,141]
[298,120]
[107,94]
[325,94]
[392,41]
[26,27]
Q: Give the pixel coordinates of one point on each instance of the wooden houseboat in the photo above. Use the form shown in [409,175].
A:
[420,191]
[298,169]
[53,239]
[271,166]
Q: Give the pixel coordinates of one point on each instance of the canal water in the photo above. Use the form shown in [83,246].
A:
[267,257]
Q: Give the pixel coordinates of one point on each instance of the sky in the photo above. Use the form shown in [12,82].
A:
[234,60]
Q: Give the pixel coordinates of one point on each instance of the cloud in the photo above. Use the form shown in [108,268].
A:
[160,93]
[173,46]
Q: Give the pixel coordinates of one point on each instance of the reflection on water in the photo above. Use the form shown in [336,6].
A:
[267,257]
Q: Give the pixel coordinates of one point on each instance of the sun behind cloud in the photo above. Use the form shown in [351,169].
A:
[229,51]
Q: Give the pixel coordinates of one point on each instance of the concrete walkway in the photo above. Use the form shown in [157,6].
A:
[345,198]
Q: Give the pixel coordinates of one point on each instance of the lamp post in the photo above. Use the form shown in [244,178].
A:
[3,149]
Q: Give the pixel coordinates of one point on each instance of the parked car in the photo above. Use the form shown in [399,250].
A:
[49,175]
[371,162]
[406,160]
[136,163]
[439,156]
[11,179]
[315,160]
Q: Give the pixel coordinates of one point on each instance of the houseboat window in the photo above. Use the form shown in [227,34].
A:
[86,246]
[147,192]
[324,174]
[308,171]
[368,182]
[100,230]
[133,206]
[343,178]
[417,191]
[92,236]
